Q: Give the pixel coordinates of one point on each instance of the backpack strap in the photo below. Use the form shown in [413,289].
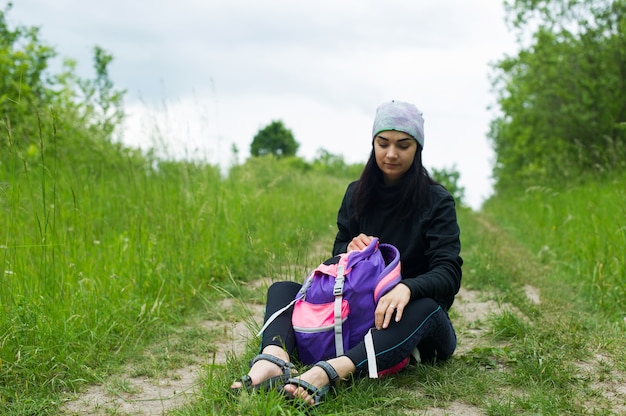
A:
[274,316]
[338,292]
[301,295]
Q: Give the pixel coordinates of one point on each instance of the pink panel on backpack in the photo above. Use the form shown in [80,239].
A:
[320,316]
[331,269]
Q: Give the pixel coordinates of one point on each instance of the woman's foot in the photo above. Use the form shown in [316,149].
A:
[263,369]
[319,378]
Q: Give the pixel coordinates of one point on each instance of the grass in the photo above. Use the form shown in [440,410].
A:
[580,231]
[113,263]
[98,259]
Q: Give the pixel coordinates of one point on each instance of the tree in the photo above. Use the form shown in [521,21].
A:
[335,165]
[562,99]
[449,178]
[274,139]
[23,84]
[33,100]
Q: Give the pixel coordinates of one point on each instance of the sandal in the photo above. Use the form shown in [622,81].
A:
[287,368]
[317,393]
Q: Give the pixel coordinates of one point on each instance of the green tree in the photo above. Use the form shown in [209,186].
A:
[335,165]
[562,98]
[274,139]
[23,82]
[449,178]
[38,107]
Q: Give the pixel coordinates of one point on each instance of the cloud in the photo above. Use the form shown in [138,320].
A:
[208,75]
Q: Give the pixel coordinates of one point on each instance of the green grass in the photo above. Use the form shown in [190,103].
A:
[580,231]
[97,259]
[113,263]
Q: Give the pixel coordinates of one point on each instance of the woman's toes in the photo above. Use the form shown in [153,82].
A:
[316,377]
[298,392]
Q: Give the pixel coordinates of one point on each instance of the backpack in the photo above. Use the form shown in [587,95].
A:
[334,309]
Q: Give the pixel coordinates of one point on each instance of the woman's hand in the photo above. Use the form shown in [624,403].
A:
[394,301]
[359,242]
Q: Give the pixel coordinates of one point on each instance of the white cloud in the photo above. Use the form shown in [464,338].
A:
[210,74]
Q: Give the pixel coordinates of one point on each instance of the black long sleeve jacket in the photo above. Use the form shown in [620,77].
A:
[429,241]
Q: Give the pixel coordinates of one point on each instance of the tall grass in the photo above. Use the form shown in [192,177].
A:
[95,257]
[581,230]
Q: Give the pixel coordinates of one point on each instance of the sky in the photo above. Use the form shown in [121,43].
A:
[202,76]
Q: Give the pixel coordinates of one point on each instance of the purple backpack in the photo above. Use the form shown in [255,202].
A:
[335,307]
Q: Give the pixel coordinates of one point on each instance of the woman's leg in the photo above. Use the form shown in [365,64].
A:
[425,325]
[280,331]
[278,338]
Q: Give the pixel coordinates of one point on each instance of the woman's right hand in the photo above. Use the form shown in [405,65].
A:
[359,242]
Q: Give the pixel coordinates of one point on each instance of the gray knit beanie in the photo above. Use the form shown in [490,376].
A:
[400,116]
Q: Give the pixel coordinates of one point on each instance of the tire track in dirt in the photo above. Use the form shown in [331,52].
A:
[146,396]
[123,394]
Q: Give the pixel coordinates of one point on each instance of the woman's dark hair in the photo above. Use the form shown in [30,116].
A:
[415,184]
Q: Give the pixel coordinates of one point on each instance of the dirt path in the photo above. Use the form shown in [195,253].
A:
[147,396]
[126,394]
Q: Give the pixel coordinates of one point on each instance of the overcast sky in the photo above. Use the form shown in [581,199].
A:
[209,74]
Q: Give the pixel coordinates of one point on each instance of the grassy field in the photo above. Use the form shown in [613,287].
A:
[104,261]
[581,232]
[97,259]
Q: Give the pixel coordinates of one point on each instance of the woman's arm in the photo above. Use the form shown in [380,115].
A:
[443,247]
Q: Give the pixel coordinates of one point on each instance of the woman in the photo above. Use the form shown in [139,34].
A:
[395,200]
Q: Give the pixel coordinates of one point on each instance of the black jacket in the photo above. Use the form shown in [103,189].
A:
[428,240]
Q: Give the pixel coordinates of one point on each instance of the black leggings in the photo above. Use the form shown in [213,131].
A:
[425,325]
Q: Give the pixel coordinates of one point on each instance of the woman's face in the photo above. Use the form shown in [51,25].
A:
[394,151]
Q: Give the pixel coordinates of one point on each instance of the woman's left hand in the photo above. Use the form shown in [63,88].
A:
[394,301]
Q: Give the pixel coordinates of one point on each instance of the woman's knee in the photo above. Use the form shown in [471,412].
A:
[283,289]
[421,309]
[426,304]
